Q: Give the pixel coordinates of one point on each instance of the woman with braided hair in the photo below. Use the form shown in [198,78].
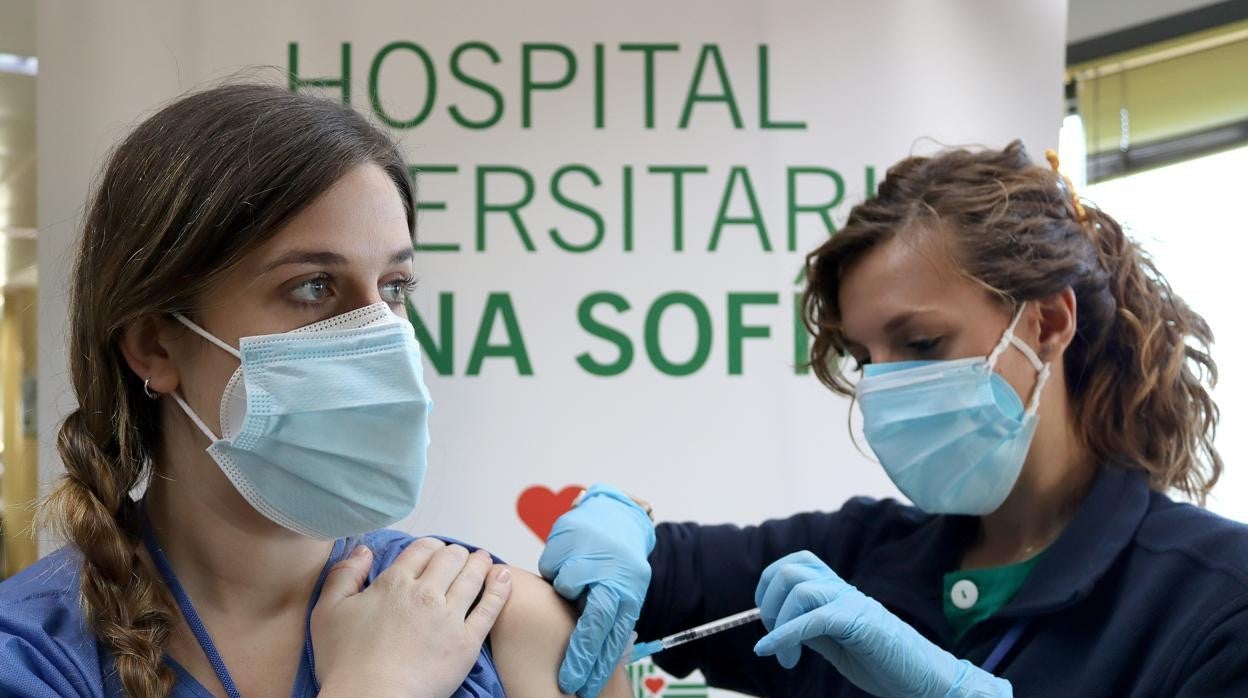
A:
[240,353]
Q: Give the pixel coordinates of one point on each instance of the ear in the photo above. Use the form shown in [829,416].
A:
[1057,323]
[145,346]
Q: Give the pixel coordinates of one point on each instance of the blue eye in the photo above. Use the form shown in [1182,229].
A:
[312,291]
[396,291]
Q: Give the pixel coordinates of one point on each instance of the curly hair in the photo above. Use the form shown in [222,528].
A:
[1139,369]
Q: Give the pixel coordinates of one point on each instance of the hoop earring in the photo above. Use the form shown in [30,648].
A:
[147,391]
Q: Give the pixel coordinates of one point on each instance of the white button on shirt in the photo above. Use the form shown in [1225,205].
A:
[964,594]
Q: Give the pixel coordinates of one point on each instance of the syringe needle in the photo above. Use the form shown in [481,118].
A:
[646,649]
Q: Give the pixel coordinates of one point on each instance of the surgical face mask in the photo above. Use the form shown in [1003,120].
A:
[324,429]
[952,435]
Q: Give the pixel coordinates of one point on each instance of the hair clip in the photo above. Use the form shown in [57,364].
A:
[1080,212]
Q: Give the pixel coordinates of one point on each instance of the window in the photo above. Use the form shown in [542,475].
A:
[1189,216]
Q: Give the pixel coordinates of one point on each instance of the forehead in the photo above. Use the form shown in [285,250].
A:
[362,210]
[914,270]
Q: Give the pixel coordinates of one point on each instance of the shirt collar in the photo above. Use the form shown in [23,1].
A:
[907,573]
[1101,530]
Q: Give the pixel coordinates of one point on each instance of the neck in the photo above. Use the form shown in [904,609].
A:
[1054,481]
[229,558]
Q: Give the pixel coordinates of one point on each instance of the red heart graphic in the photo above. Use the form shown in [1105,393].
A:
[655,684]
[539,506]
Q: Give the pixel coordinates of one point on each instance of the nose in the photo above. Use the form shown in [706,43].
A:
[361,292]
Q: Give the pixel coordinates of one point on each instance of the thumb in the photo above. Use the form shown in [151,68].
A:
[345,578]
[577,576]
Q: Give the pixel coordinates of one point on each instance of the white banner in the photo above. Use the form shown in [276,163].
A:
[617,198]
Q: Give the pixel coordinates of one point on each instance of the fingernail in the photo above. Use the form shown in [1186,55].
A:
[359,552]
[504,576]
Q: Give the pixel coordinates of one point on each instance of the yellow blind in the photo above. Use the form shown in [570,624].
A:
[1177,87]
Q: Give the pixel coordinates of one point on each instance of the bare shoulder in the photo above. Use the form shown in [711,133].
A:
[534,615]
[530,637]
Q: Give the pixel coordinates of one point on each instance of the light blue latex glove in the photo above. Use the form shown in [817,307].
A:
[803,602]
[599,551]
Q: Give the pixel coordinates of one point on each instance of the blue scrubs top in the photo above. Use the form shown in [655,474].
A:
[1139,596]
[46,648]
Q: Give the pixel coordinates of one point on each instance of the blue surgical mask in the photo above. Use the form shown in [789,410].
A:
[324,429]
[952,435]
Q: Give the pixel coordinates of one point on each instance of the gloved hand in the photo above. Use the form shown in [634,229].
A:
[599,550]
[803,602]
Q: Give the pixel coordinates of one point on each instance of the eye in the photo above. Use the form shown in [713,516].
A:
[395,291]
[312,291]
[923,346]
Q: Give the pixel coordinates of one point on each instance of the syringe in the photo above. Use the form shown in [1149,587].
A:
[646,649]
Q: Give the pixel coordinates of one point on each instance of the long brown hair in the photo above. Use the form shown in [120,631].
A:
[190,192]
[1139,368]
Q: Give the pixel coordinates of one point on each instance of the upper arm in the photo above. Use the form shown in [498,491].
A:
[26,671]
[529,640]
[1217,664]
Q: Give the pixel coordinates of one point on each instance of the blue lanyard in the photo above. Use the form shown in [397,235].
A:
[1007,642]
[201,632]
[188,612]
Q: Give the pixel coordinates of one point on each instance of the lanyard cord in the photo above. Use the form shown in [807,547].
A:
[188,612]
[1006,644]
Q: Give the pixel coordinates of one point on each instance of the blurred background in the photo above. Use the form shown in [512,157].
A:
[19,69]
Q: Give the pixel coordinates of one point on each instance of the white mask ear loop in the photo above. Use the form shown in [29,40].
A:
[182,403]
[194,417]
[1042,368]
[208,335]
[1034,403]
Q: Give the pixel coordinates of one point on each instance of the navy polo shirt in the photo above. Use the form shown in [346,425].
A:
[1139,596]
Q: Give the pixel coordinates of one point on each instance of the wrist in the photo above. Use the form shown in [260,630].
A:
[637,510]
[602,490]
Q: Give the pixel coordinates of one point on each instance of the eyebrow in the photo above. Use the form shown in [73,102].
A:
[327,259]
[892,326]
[903,319]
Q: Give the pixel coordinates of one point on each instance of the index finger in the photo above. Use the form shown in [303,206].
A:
[818,622]
[415,557]
[804,558]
